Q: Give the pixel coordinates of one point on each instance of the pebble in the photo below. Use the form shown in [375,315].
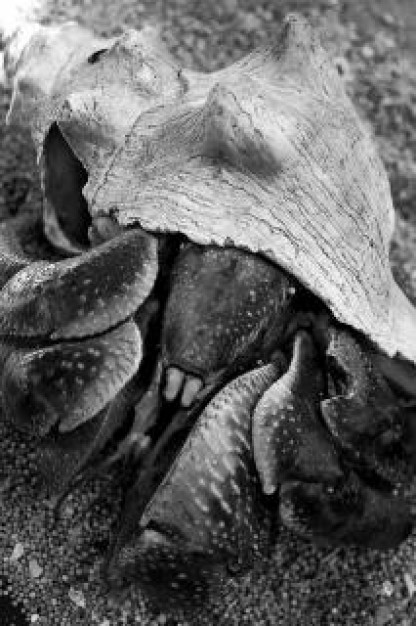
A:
[388,19]
[77,597]
[367,52]
[250,22]
[3,77]
[388,589]
[35,570]
[18,552]
[410,584]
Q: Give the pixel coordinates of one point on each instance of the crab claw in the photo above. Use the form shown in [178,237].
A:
[207,503]
[225,309]
[362,413]
[289,441]
[350,513]
[81,296]
[69,383]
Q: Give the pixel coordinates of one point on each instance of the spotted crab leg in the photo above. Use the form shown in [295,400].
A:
[289,440]
[69,382]
[146,404]
[146,400]
[205,510]
[80,308]
[83,448]
[77,452]
[81,296]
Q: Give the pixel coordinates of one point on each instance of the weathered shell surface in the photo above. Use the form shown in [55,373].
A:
[268,155]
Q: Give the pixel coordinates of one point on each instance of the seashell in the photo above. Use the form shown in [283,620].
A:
[267,155]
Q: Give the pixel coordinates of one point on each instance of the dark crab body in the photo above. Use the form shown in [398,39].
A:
[239,342]
[247,419]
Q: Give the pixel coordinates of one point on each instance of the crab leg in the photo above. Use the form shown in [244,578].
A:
[76,453]
[147,405]
[81,296]
[79,308]
[206,504]
[289,441]
[69,383]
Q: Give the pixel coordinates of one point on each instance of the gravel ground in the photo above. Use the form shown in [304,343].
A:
[50,575]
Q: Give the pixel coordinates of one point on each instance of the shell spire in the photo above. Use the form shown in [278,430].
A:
[233,138]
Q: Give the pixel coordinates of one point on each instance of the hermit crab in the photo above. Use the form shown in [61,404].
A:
[223,298]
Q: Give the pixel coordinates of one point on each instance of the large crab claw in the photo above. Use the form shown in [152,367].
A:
[207,503]
[79,308]
[320,496]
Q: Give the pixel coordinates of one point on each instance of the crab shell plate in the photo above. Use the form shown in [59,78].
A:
[267,155]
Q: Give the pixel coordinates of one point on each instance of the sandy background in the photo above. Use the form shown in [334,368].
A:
[51,575]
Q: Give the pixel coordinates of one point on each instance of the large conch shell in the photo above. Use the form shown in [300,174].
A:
[267,155]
